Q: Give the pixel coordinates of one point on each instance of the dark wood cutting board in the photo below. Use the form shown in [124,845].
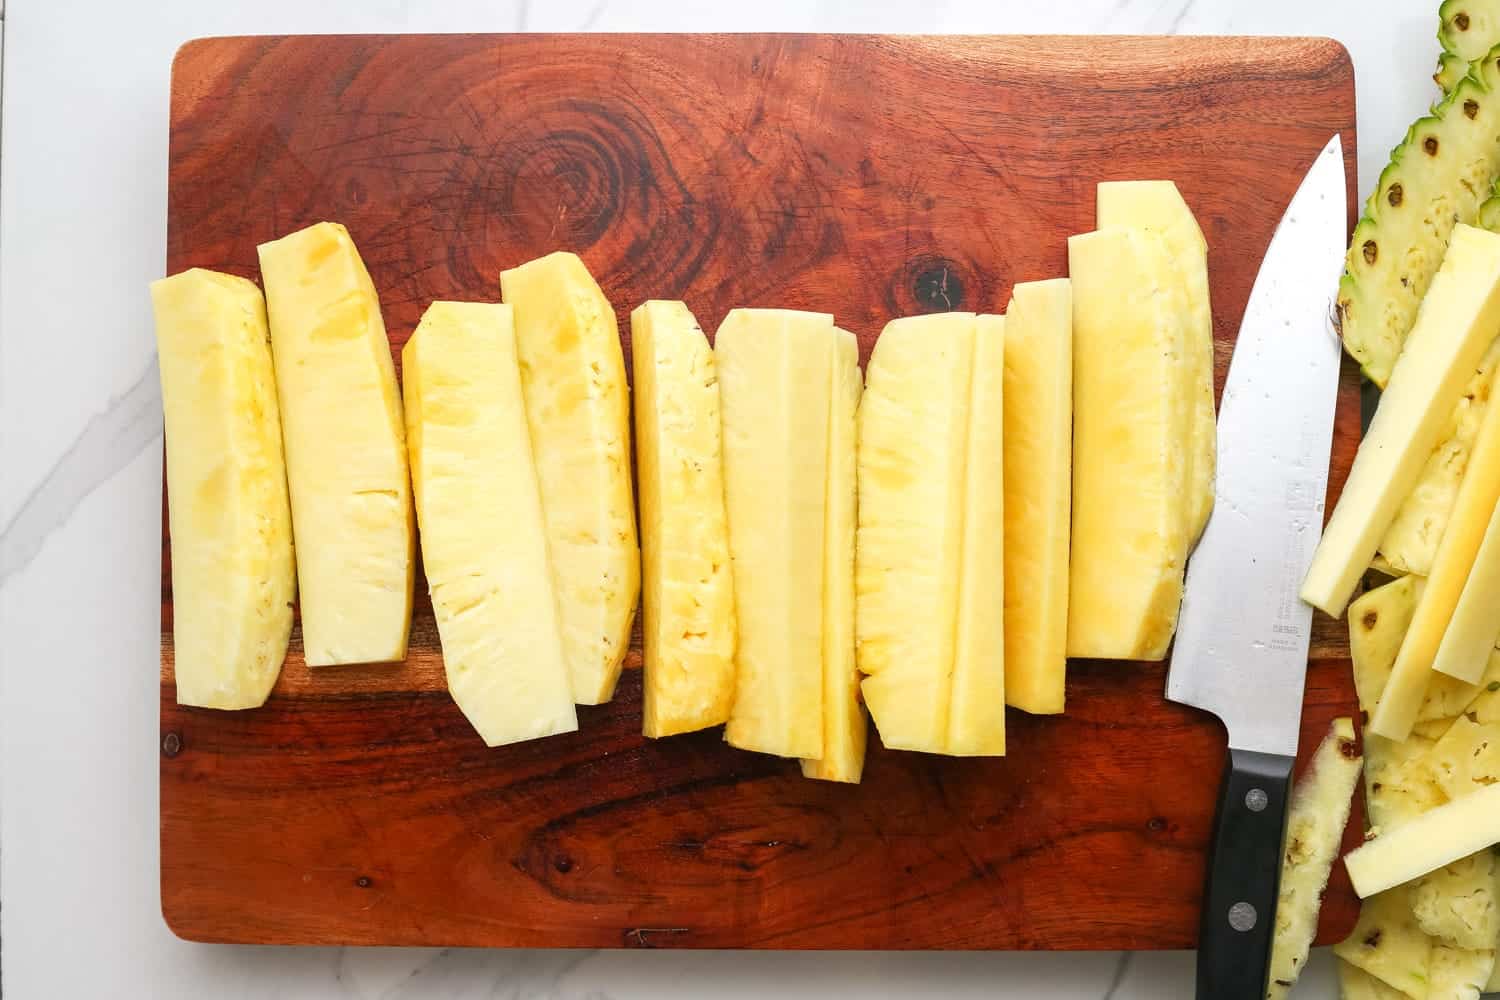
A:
[871,177]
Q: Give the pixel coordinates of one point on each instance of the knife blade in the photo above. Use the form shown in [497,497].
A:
[1242,640]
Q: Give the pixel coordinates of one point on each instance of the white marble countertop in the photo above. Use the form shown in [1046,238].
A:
[82,231]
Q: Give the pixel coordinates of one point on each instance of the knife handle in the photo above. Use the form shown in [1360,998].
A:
[1244,873]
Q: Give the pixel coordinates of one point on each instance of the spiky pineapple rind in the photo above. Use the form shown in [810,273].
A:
[1467,28]
[1451,68]
[1384,281]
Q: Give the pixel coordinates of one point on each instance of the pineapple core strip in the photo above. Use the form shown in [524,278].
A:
[1159,206]
[1438,837]
[233,574]
[1451,568]
[1038,459]
[1455,325]
[844,727]
[1132,417]
[688,592]
[345,448]
[976,711]
[775,377]
[483,545]
[1474,631]
[931,550]
[578,408]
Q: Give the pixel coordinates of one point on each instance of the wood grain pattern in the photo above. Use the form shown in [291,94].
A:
[867,176]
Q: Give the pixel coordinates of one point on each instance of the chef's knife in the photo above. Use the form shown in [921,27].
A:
[1242,641]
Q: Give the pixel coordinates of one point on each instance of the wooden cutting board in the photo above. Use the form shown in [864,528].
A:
[871,177]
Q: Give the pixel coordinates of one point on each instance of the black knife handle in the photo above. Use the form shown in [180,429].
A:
[1244,873]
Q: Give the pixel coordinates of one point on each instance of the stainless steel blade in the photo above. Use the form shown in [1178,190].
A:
[1242,641]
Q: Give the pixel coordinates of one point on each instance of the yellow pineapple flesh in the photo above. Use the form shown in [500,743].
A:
[1038,460]
[976,712]
[345,448]
[688,584]
[913,448]
[483,545]
[1160,207]
[845,729]
[1132,416]
[775,380]
[578,410]
[233,572]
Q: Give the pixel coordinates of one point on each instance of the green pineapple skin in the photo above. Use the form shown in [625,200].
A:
[1450,69]
[1489,212]
[1319,813]
[1468,28]
[1394,253]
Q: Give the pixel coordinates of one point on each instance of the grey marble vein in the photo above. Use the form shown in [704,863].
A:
[1175,25]
[1119,977]
[593,16]
[107,443]
[464,973]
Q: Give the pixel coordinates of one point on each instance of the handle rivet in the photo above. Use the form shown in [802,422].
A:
[1256,800]
[1242,917]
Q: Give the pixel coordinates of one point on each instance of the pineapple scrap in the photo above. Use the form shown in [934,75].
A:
[1456,903]
[1357,984]
[1397,786]
[1466,759]
[1459,973]
[1315,827]
[1388,944]
[1377,624]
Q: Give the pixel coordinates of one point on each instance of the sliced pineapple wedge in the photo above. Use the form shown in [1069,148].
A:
[913,423]
[345,448]
[1133,394]
[930,579]
[845,728]
[1038,460]
[1160,207]
[483,544]
[775,379]
[578,409]
[233,572]
[688,592]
